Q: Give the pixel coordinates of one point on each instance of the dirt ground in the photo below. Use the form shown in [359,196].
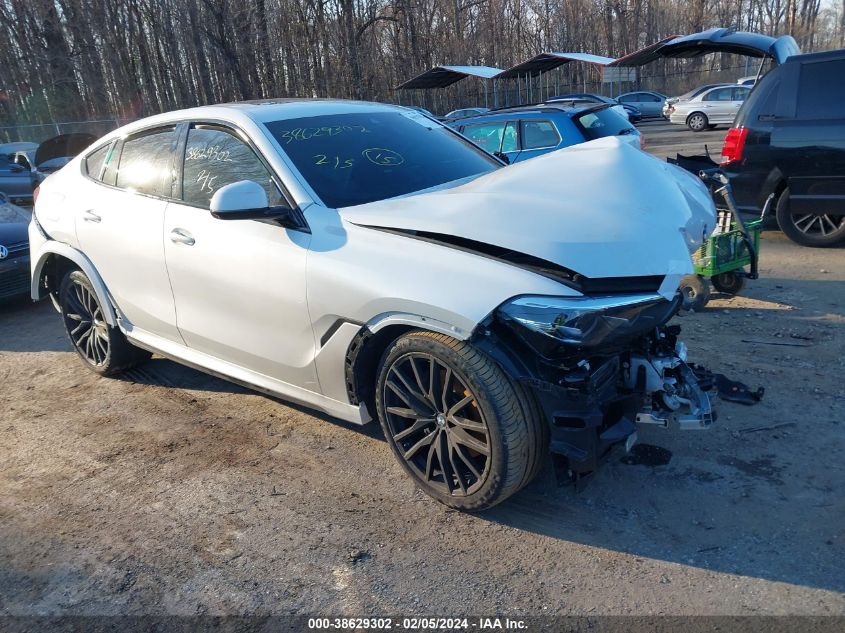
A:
[170,492]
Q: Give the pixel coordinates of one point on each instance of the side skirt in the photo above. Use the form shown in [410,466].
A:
[242,376]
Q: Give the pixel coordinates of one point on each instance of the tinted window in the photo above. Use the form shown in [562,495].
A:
[94,161]
[821,90]
[146,162]
[215,158]
[488,136]
[538,134]
[606,122]
[632,98]
[356,158]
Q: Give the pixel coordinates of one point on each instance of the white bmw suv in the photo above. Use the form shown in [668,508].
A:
[366,261]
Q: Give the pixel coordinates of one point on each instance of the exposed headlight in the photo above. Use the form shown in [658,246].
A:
[586,321]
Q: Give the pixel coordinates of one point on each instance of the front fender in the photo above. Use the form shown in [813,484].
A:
[42,250]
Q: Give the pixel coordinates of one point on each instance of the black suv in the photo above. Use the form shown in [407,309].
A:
[788,140]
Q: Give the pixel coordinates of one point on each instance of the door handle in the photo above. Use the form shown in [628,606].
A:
[90,216]
[181,236]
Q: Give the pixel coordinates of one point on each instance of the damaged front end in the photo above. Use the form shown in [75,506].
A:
[598,366]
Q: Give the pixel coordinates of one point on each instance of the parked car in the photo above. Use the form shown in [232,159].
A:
[634,115]
[586,96]
[749,81]
[524,132]
[364,260]
[713,107]
[15,180]
[670,101]
[647,102]
[465,112]
[14,250]
[788,142]
[29,164]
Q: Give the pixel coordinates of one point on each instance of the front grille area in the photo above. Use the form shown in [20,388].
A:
[17,248]
[14,277]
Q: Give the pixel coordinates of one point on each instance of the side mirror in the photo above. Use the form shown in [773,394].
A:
[245,200]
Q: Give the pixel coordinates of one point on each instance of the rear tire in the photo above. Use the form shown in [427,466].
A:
[103,348]
[440,398]
[818,231]
[696,292]
[697,122]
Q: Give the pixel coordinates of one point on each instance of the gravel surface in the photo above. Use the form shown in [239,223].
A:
[170,492]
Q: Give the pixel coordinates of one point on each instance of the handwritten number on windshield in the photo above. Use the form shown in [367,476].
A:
[307,133]
[383,157]
[335,162]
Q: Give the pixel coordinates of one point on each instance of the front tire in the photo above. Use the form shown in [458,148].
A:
[697,122]
[468,435]
[809,230]
[103,348]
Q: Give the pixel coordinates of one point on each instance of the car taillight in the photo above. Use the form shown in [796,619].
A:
[642,141]
[734,145]
[35,195]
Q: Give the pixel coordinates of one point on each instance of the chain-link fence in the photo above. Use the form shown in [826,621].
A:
[39,132]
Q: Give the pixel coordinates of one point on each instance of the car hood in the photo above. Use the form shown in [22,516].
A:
[601,209]
[14,223]
[64,145]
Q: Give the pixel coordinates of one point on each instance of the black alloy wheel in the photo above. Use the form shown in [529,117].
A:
[809,229]
[85,322]
[103,347]
[465,432]
[434,418]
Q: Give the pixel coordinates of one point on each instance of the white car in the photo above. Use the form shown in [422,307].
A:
[366,261]
[716,106]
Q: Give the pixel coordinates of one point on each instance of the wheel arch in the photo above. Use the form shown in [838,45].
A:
[693,113]
[54,260]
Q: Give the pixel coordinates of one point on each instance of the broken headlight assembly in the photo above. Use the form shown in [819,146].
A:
[547,323]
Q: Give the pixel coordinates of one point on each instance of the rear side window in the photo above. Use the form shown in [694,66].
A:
[95,160]
[821,90]
[214,158]
[539,134]
[146,162]
[600,123]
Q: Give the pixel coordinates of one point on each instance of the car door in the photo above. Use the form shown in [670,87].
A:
[15,180]
[120,222]
[718,105]
[649,104]
[239,285]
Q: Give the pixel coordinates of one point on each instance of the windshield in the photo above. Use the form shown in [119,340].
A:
[351,159]
[604,122]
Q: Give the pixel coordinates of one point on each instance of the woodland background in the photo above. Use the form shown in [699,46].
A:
[64,60]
